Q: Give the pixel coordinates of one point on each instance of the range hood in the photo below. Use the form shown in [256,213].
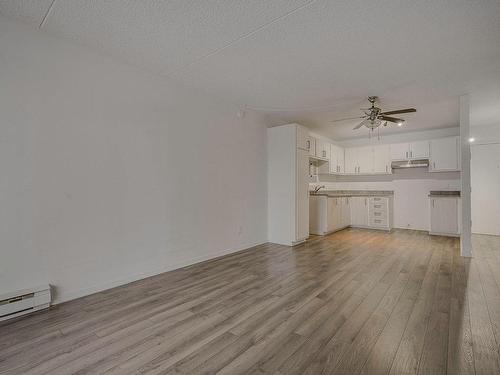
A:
[410,164]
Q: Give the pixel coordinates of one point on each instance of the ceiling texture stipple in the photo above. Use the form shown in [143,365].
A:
[320,57]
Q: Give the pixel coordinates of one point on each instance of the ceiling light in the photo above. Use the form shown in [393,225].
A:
[471,139]
[400,123]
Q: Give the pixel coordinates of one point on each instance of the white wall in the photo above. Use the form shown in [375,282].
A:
[110,174]
[485,179]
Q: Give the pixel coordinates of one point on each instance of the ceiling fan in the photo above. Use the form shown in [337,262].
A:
[374,116]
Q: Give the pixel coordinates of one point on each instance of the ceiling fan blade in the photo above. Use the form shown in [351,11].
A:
[348,118]
[407,110]
[391,119]
[359,125]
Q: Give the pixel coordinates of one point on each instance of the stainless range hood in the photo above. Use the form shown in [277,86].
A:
[410,164]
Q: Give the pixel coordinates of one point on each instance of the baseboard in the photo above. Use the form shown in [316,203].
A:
[444,234]
[71,295]
[487,234]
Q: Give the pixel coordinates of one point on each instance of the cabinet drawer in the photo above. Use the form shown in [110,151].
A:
[378,207]
[378,214]
[379,222]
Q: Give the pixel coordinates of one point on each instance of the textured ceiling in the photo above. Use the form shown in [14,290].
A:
[311,60]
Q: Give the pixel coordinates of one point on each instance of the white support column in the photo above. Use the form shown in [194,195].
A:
[465,237]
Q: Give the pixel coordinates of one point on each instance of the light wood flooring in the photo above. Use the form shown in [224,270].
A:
[355,302]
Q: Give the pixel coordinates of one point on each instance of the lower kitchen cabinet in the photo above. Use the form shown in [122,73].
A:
[372,212]
[359,211]
[346,211]
[445,216]
[380,212]
[329,214]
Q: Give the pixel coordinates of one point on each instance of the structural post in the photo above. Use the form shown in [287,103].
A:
[466,235]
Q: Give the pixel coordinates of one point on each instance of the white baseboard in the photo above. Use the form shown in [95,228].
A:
[65,296]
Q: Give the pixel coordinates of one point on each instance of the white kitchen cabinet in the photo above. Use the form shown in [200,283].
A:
[288,184]
[419,150]
[311,145]
[444,155]
[382,159]
[410,151]
[358,160]
[380,212]
[346,212]
[445,216]
[334,220]
[351,161]
[302,195]
[365,160]
[399,151]
[326,214]
[368,160]
[302,138]
[336,159]
[359,211]
[322,149]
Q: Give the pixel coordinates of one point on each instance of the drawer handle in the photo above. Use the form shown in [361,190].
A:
[378,221]
[377,213]
[377,206]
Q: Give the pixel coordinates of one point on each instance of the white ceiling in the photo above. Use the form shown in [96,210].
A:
[313,60]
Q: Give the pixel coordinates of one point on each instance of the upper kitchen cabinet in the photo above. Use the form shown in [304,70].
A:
[303,138]
[419,150]
[322,149]
[444,155]
[368,160]
[365,160]
[382,159]
[311,145]
[399,151]
[336,159]
[351,160]
[408,151]
[358,160]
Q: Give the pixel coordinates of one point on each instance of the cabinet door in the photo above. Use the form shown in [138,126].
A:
[336,159]
[338,213]
[346,212]
[359,211]
[400,151]
[444,154]
[340,159]
[311,145]
[365,160]
[334,214]
[419,150]
[351,160]
[381,159]
[302,137]
[330,213]
[444,215]
[302,196]
[322,149]
[333,159]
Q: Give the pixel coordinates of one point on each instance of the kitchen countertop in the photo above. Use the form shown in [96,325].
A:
[444,193]
[354,193]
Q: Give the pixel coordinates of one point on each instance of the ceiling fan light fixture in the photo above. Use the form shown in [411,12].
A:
[400,123]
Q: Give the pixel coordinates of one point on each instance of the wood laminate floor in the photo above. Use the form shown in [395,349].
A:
[355,302]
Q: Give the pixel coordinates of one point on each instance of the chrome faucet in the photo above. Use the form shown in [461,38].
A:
[318,188]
